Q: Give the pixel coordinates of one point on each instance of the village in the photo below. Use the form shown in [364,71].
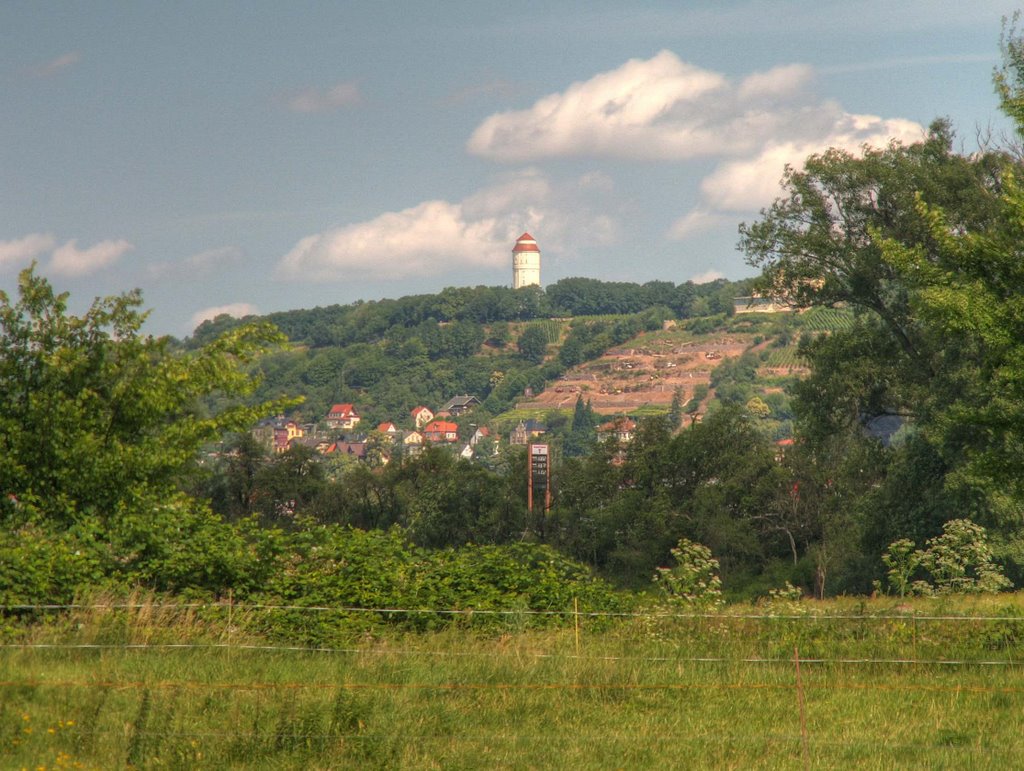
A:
[339,432]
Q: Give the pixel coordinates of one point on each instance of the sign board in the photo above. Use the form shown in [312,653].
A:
[540,475]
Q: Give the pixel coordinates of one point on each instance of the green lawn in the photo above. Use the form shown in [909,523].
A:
[897,690]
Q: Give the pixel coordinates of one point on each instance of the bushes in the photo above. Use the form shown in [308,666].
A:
[958,561]
[351,569]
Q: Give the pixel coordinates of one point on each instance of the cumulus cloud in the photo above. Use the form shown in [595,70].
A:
[60,63]
[20,251]
[663,108]
[643,109]
[237,310]
[312,100]
[437,237]
[69,260]
[747,184]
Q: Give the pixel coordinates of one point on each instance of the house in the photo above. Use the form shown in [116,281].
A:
[760,304]
[263,433]
[622,429]
[482,432]
[412,443]
[352,449]
[389,430]
[527,430]
[275,434]
[320,444]
[421,416]
[441,431]
[466,453]
[342,417]
[459,405]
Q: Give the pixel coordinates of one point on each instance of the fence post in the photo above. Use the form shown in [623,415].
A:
[576,621]
[800,703]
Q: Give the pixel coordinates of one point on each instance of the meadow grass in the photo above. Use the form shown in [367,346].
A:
[882,686]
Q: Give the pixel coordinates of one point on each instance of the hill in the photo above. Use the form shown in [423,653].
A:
[390,356]
[631,364]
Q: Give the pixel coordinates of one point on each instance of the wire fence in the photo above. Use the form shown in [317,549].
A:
[808,615]
[498,676]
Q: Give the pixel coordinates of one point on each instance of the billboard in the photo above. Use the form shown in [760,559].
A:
[540,476]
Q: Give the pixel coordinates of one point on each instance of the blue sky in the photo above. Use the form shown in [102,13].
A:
[254,157]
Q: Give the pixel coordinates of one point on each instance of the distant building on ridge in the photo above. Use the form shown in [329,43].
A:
[525,262]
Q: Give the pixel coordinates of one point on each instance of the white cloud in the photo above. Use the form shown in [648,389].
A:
[439,237]
[785,81]
[237,310]
[748,184]
[665,109]
[643,109]
[23,250]
[410,242]
[312,100]
[707,277]
[69,260]
[60,63]
[697,221]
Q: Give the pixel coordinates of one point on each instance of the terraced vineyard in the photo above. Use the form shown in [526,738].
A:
[826,319]
[784,358]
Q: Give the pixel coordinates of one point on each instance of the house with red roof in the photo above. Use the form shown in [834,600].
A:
[621,428]
[342,417]
[439,431]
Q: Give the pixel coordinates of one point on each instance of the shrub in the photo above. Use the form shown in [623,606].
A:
[694,578]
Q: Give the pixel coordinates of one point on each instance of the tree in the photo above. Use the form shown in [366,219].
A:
[923,244]
[675,411]
[97,418]
[533,344]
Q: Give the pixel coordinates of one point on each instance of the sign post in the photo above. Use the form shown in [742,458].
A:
[540,476]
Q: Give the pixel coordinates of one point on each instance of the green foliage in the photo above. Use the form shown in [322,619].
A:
[958,561]
[693,580]
[352,569]
[903,561]
[39,566]
[533,344]
[97,418]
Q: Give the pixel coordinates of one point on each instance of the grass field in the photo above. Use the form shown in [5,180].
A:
[824,685]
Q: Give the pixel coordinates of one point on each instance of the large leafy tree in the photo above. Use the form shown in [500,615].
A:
[924,244]
[97,418]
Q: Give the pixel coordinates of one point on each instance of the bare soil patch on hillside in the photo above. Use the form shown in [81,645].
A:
[642,375]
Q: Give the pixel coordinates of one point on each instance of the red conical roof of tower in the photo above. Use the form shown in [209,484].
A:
[525,243]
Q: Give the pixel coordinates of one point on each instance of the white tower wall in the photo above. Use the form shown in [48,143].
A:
[525,262]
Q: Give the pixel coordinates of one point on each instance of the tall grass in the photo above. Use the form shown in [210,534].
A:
[914,686]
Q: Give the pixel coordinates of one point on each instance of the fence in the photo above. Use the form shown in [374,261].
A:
[809,689]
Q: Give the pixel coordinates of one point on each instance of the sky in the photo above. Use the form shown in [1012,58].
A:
[254,157]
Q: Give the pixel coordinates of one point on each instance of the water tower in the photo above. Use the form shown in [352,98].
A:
[525,262]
